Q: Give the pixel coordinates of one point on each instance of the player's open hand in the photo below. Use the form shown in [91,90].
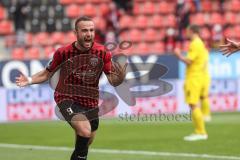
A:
[230,47]
[177,52]
[21,81]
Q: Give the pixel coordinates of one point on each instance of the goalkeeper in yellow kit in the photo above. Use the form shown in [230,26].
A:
[197,81]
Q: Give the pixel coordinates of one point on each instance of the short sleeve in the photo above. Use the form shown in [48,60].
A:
[107,63]
[192,52]
[54,62]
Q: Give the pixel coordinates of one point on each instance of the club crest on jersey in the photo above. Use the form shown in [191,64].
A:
[94,61]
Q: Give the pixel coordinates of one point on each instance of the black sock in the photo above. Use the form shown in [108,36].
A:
[81,148]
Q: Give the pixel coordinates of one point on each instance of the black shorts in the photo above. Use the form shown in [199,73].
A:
[69,108]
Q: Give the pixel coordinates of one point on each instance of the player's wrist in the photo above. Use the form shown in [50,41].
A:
[29,80]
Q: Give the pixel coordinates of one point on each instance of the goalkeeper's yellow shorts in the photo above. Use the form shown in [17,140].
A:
[194,88]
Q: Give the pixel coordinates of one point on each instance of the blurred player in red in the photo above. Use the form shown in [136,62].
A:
[76,94]
[230,47]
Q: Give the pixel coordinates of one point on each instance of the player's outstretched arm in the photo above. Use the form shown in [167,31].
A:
[177,53]
[37,78]
[117,74]
[230,47]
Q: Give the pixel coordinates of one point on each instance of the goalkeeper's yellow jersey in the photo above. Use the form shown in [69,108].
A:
[199,55]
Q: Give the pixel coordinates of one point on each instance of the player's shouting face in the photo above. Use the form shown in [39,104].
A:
[85,33]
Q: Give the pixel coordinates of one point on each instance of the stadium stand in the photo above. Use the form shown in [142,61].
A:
[145,25]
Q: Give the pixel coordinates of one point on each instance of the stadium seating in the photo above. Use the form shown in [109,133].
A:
[207,6]
[2,13]
[41,38]
[157,48]
[73,11]
[165,7]
[150,35]
[67,2]
[156,21]
[33,53]
[141,22]
[6,27]
[145,27]
[229,18]
[57,38]
[216,18]
[48,51]
[89,10]
[126,21]
[18,53]
[135,35]
[148,8]
[142,48]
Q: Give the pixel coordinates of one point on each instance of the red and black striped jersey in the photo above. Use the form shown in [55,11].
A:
[79,73]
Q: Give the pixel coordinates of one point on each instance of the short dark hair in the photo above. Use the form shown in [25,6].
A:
[194,28]
[82,18]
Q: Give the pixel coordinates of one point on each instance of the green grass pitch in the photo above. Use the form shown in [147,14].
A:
[116,134]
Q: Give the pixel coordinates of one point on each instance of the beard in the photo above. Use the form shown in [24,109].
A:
[84,43]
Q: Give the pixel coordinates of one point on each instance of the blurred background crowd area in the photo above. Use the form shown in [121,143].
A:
[32,29]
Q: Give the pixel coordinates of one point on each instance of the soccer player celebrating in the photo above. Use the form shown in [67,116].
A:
[76,94]
[230,47]
[197,81]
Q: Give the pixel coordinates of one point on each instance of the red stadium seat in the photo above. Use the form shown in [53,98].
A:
[80,1]
[235,5]
[216,18]
[96,1]
[66,2]
[197,19]
[138,1]
[126,21]
[150,35]
[229,32]
[149,8]
[100,23]
[104,9]
[165,7]
[124,36]
[205,33]
[237,31]
[227,6]
[18,53]
[33,53]
[206,6]
[57,38]
[157,48]
[229,18]
[42,38]
[142,48]
[216,6]
[156,21]
[135,35]
[10,41]
[170,21]
[48,51]
[2,13]
[70,37]
[73,11]
[237,18]
[161,33]
[141,22]
[28,39]
[89,10]
[6,27]
[136,8]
